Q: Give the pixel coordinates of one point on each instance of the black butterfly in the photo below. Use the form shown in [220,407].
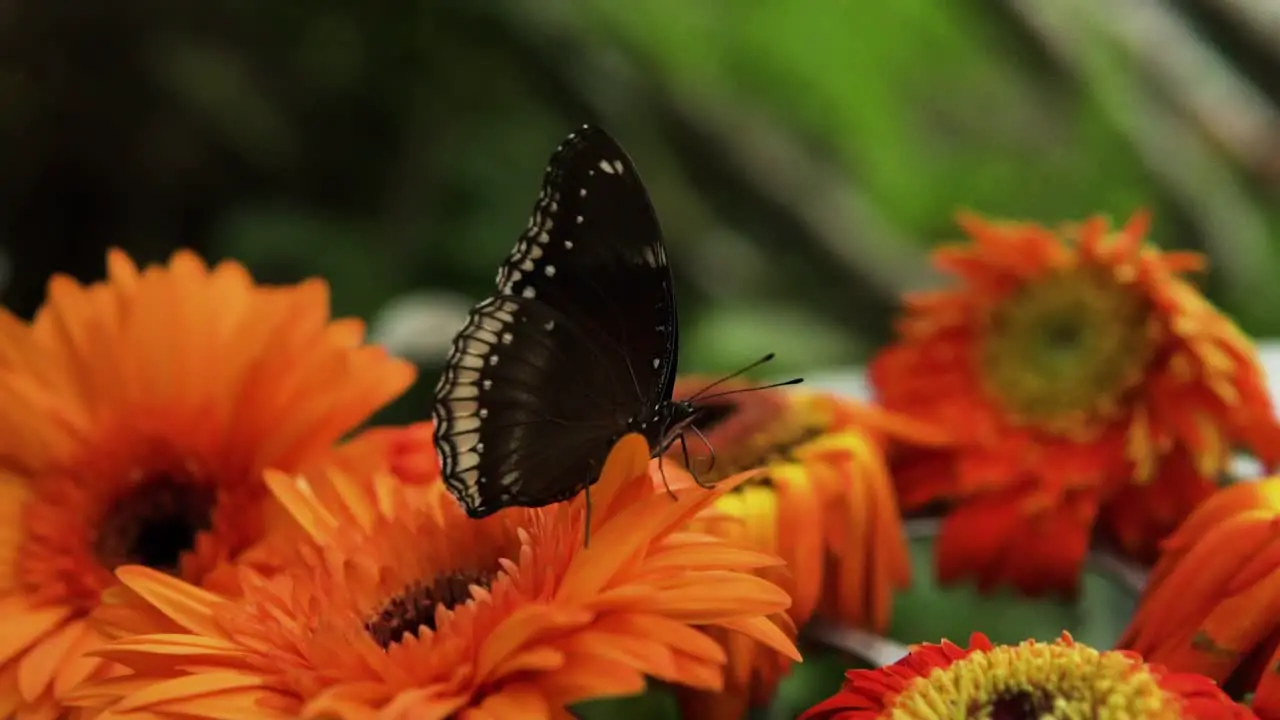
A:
[577,348]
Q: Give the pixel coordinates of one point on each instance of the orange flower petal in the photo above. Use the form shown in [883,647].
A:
[21,625]
[189,606]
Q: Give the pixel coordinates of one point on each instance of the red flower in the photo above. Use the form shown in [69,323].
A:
[1031,680]
[1083,379]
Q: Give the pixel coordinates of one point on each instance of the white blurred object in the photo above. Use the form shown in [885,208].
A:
[420,326]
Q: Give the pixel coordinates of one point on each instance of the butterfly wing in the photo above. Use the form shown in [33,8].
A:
[578,345]
[594,251]
[528,407]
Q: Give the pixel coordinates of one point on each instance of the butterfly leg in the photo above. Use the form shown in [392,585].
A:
[712,465]
[684,448]
[662,472]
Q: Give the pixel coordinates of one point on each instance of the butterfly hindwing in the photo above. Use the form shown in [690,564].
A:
[529,407]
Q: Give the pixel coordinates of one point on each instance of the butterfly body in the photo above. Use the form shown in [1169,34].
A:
[576,348]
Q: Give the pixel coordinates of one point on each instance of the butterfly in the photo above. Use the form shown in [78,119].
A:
[576,348]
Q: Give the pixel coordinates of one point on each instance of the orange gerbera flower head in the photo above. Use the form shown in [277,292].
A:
[136,418]
[824,502]
[1077,371]
[1210,603]
[1031,680]
[405,452]
[402,607]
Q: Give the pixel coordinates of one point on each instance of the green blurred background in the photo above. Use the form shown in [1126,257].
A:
[803,156]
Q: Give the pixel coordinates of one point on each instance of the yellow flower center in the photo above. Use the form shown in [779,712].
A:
[1062,353]
[1038,681]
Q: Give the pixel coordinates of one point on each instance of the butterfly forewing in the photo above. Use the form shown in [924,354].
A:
[594,251]
[577,347]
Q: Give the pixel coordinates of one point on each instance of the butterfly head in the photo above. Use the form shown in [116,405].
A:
[699,411]
[678,415]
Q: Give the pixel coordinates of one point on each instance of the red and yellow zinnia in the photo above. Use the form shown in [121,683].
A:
[1028,681]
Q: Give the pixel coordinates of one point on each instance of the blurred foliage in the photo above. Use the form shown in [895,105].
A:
[802,155]
[926,612]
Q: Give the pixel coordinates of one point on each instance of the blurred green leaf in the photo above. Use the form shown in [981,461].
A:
[286,244]
[657,703]
[817,678]
[226,94]
[929,613]
[726,337]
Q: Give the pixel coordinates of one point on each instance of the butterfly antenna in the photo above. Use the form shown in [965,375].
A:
[732,375]
[792,381]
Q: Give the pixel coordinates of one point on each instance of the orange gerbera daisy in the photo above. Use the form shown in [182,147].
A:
[405,452]
[1031,680]
[824,502]
[136,418]
[1076,371]
[1210,605]
[402,607]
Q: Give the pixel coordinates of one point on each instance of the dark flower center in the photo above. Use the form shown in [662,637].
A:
[416,607]
[154,523]
[1018,705]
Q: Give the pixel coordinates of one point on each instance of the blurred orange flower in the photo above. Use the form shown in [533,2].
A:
[1062,679]
[1078,371]
[401,607]
[1212,603]
[136,418]
[823,501]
